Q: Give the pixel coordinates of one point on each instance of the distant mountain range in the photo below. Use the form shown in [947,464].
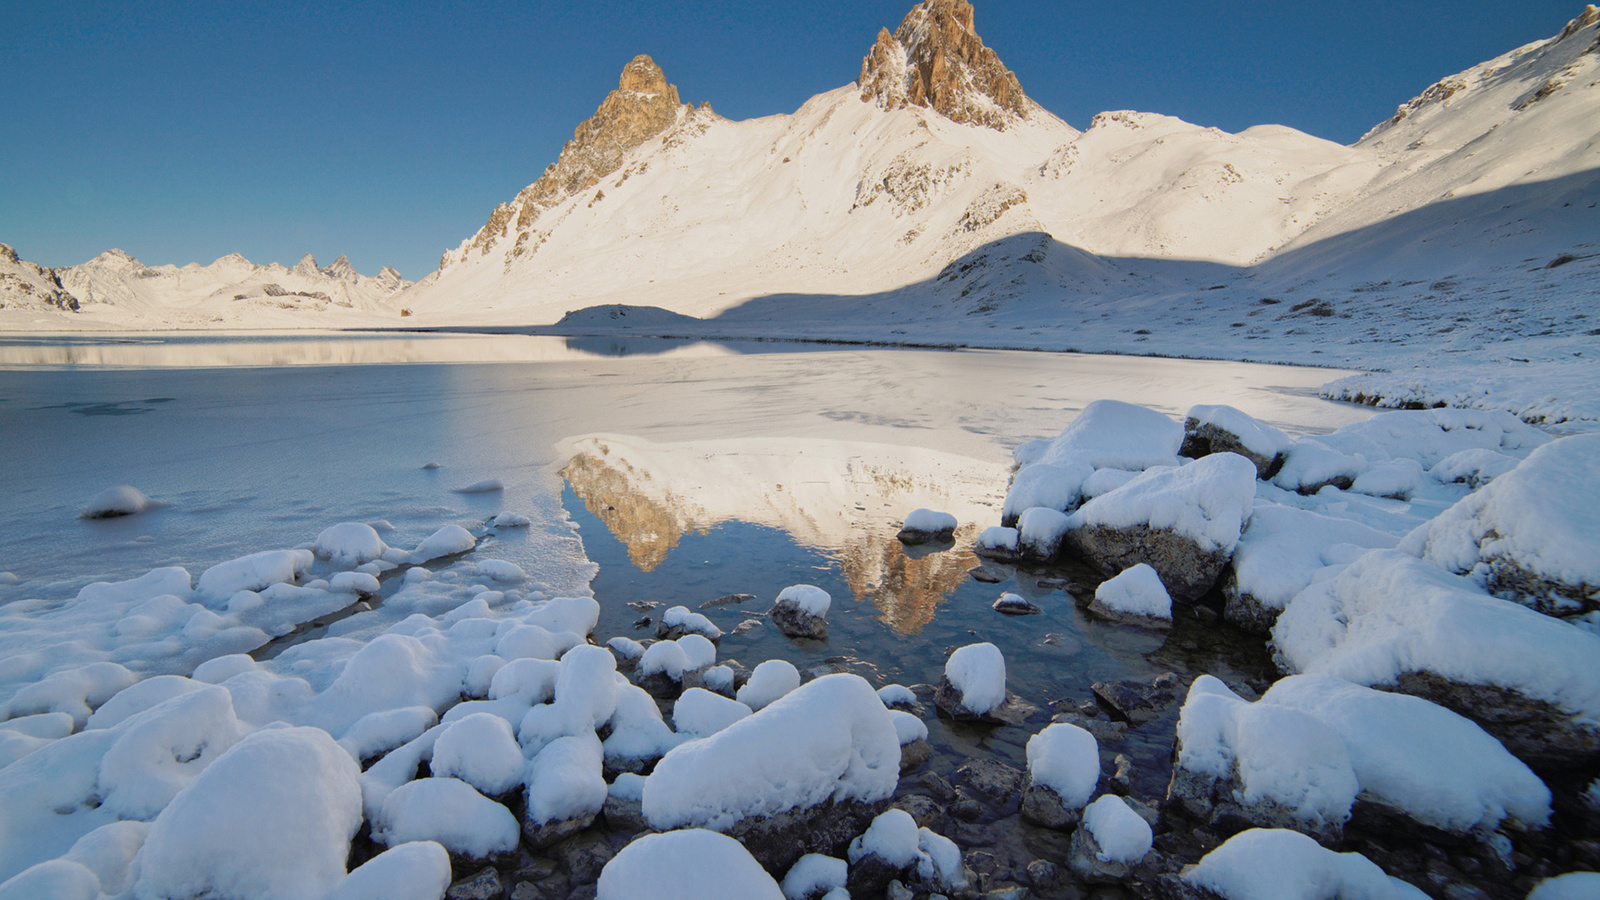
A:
[933,197]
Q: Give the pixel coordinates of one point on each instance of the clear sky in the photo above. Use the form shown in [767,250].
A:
[183,130]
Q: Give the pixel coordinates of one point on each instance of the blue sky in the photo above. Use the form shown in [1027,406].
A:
[183,131]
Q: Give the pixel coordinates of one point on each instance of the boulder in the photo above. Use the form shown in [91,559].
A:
[925,526]
[1223,429]
[801,611]
[1183,521]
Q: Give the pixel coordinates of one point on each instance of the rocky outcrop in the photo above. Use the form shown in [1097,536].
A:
[936,60]
[26,284]
[642,107]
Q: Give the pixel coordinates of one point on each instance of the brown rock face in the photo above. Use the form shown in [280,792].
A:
[936,60]
[643,106]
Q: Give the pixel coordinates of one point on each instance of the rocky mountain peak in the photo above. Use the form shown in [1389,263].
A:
[642,107]
[936,60]
[8,254]
[341,269]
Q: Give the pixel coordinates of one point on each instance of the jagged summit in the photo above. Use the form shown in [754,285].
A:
[935,59]
[643,106]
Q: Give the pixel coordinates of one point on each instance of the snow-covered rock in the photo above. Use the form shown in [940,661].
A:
[973,685]
[1182,520]
[1110,843]
[1063,771]
[1135,594]
[1271,766]
[678,621]
[419,870]
[800,775]
[1275,864]
[769,681]
[280,794]
[801,611]
[115,502]
[451,540]
[481,750]
[1280,552]
[349,544]
[699,713]
[924,526]
[813,876]
[1532,535]
[1211,429]
[1111,434]
[685,865]
[566,789]
[449,812]
[1392,620]
[997,542]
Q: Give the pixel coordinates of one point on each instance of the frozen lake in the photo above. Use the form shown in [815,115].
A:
[684,471]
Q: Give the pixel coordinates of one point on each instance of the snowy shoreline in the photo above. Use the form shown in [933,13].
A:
[487,721]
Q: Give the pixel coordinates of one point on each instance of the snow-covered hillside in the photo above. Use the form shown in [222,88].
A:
[934,185]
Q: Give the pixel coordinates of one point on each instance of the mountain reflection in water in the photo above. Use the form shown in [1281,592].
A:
[844,499]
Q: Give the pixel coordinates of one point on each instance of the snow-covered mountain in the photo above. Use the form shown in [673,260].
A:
[931,200]
[117,290]
[933,184]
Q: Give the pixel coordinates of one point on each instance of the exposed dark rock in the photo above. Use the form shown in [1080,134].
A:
[1188,571]
[1242,608]
[1084,860]
[993,779]
[727,599]
[485,885]
[584,856]
[1105,731]
[624,815]
[927,811]
[913,755]
[1122,778]
[777,841]
[1208,438]
[1535,731]
[543,835]
[1041,805]
[1135,701]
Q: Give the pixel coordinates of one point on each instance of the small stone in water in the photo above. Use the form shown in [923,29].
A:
[1015,605]
[725,600]
[642,622]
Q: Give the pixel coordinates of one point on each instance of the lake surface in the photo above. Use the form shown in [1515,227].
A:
[684,471]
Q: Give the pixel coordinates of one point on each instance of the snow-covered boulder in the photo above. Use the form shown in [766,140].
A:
[924,526]
[255,572]
[801,611]
[913,734]
[685,865]
[451,540]
[566,789]
[1270,863]
[1063,771]
[1419,759]
[894,847]
[1279,553]
[449,812]
[273,816]
[997,542]
[160,751]
[802,775]
[1571,886]
[115,502]
[1040,531]
[700,713]
[1116,435]
[1532,535]
[973,685]
[1015,605]
[481,750]
[1134,595]
[419,870]
[349,544]
[1394,621]
[639,735]
[678,621]
[1182,520]
[1266,765]
[1112,841]
[814,876]
[1211,429]
[1057,487]
[769,681]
